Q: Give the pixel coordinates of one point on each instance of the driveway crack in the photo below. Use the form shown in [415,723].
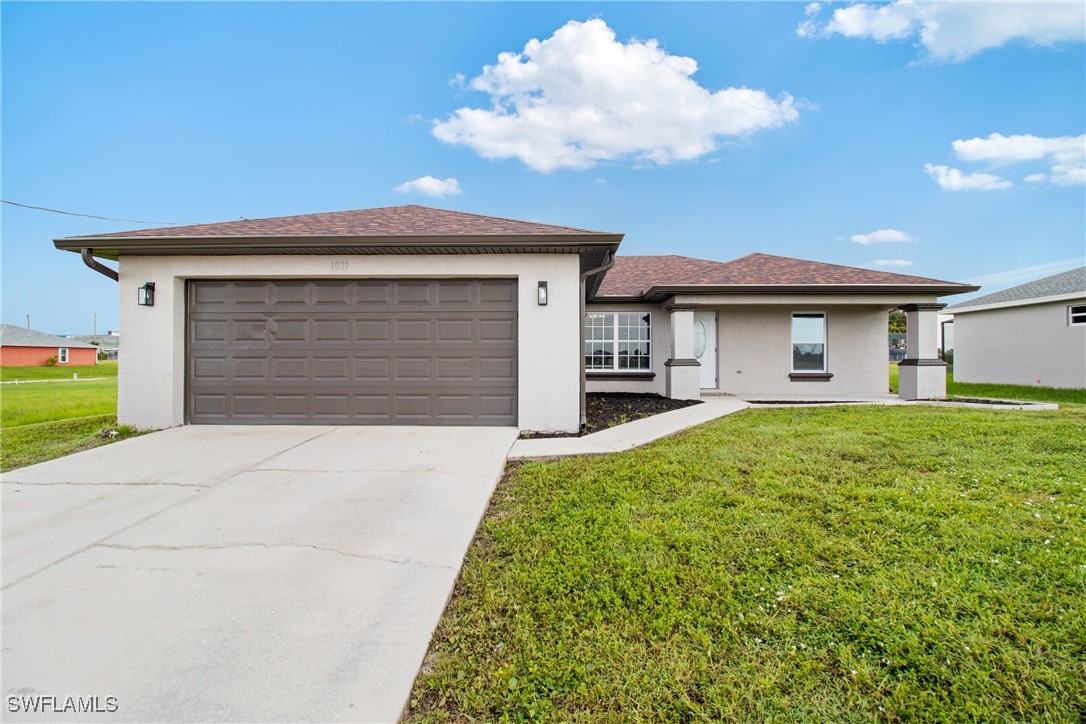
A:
[104,485]
[222,546]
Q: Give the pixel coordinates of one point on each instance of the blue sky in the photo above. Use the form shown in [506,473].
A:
[206,112]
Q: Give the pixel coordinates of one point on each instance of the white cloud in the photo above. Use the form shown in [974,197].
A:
[1035,178]
[430,186]
[953,179]
[581,96]
[1065,154]
[953,31]
[896,263]
[882,236]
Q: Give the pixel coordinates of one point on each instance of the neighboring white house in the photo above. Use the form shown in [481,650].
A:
[413,315]
[1032,334]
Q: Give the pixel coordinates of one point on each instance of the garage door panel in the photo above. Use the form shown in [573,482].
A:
[493,291]
[425,352]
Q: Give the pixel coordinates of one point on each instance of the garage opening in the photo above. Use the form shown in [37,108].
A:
[352,352]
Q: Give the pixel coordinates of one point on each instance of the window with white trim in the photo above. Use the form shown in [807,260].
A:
[618,341]
[62,355]
[808,342]
[1076,315]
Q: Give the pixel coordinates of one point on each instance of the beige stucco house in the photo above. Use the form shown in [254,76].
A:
[413,315]
[1031,334]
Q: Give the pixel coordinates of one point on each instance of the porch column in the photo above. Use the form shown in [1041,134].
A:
[921,375]
[683,373]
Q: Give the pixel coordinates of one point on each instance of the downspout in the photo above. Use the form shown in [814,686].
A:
[89,260]
[608,262]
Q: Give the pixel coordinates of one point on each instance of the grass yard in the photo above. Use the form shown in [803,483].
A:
[50,401]
[29,444]
[40,421]
[59,372]
[1035,393]
[823,564]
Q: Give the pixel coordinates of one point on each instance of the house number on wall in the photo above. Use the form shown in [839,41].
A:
[339,266]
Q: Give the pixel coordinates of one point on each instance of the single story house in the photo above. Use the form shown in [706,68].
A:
[419,316]
[1032,334]
[21,347]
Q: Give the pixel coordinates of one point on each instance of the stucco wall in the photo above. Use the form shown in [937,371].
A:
[152,371]
[36,356]
[754,344]
[755,350]
[1020,345]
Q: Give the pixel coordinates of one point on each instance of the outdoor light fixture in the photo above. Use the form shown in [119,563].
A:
[145,295]
[542,294]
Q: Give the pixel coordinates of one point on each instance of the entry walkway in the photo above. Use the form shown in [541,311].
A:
[628,436]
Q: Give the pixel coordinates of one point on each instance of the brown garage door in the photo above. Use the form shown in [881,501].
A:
[360,352]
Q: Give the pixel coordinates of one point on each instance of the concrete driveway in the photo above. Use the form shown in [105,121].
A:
[239,573]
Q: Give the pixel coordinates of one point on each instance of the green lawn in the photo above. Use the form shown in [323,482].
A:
[826,564]
[59,372]
[48,401]
[1005,392]
[40,421]
[29,444]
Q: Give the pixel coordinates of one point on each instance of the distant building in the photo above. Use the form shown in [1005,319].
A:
[108,345]
[1032,334]
[21,347]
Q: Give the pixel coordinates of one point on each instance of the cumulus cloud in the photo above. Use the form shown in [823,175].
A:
[1065,154]
[953,31]
[892,263]
[953,179]
[430,186]
[581,97]
[882,236]
[1035,178]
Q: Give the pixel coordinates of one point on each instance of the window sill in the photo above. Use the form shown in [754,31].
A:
[810,376]
[621,376]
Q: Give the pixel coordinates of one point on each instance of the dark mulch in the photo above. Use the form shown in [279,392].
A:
[607,409]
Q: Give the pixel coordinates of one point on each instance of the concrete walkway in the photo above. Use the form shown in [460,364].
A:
[628,436]
[239,573]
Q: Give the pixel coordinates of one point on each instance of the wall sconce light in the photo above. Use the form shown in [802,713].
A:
[542,294]
[145,295]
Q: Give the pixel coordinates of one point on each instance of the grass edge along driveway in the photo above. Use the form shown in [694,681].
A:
[848,563]
[40,421]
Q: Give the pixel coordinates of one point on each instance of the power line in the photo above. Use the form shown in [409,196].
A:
[89,216]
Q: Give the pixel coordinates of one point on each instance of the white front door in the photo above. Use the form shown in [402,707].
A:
[705,347]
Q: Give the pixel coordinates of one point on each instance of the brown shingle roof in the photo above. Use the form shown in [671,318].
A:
[633,275]
[387,221]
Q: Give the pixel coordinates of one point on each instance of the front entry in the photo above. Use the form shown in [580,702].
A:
[705,347]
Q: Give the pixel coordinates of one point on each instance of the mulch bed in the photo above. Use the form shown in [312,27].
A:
[607,409]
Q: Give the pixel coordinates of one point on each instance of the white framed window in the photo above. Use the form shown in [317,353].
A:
[808,342]
[62,355]
[618,341]
[1076,315]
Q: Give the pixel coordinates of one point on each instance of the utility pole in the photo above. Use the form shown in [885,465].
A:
[28,322]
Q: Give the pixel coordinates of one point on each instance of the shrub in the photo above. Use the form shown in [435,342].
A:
[51,362]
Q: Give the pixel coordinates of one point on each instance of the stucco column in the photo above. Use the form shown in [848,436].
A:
[682,369]
[921,375]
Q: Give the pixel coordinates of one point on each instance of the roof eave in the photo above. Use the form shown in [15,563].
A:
[113,247]
[659,293]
